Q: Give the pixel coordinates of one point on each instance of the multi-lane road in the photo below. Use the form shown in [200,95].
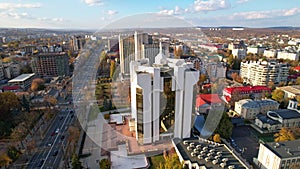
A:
[51,149]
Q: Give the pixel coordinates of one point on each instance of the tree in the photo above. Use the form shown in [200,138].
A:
[171,162]
[298,81]
[25,103]
[225,126]
[105,164]
[217,138]
[8,101]
[4,160]
[37,84]
[278,95]
[236,77]
[285,134]
[13,153]
[76,164]
[112,68]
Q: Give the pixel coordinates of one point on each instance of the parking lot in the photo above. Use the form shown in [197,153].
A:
[244,137]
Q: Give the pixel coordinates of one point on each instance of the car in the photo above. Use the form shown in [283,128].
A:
[61,118]
[41,163]
[49,144]
[62,137]
[55,153]
[57,131]
[53,133]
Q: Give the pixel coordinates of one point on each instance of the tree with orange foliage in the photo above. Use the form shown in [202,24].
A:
[37,84]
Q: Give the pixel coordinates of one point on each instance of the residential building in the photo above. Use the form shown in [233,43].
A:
[278,155]
[234,94]
[288,55]
[215,70]
[248,108]
[1,71]
[263,72]
[24,81]
[274,120]
[51,64]
[239,53]
[77,42]
[272,53]
[290,91]
[198,153]
[162,98]
[259,50]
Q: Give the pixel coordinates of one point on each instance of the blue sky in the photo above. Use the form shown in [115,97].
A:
[94,14]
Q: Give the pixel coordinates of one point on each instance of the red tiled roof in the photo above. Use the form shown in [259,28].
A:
[246,89]
[297,68]
[5,88]
[207,99]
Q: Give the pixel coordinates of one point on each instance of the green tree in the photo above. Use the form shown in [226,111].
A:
[171,162]
[13,153]
[76,164]
[225,126]
[25,103]
[105,164]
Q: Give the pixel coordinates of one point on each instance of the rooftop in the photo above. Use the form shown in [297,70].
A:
[21,78]
[206,153]
[291,89]
[286,149]
[287,113]
[230,90]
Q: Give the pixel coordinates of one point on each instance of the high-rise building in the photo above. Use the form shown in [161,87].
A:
[77,42]
[263,72]
[162,98]
[51,64]
[136,47]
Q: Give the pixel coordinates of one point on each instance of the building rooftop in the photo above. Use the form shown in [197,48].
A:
[291,89]
[21,78]
[287,113]
[5,88]
[259,89]
[266,119]
[206,153]
[285,149]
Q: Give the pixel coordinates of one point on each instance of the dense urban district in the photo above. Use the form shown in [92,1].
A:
[221,97]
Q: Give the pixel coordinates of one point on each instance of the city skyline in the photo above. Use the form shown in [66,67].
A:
[94,14]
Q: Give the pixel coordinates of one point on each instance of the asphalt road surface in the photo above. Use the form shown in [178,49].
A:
[50,150]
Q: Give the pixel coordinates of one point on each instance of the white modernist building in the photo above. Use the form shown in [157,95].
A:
[24,81]
[162,98]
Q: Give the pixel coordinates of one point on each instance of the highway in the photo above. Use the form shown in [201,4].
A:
[50,150]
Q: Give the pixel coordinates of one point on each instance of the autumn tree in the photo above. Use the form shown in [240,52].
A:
[236,77]
[171,162]
[37,84]
[76,164]
[217,138]
[105,164]
[4,160]
[297,81]
[112,68]
[278,95]
[285,134]
[8,101]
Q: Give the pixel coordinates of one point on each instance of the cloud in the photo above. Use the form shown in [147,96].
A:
[93,2]
[210,5]
[252,15]
[9,6]
[111,12]
[176,11]
[242,1]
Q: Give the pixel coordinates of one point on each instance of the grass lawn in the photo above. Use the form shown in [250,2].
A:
[156,160]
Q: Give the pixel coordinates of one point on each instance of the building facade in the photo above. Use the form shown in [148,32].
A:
[1,71]
[234,94]
[278,155]
[261,73]
[162,98]
[51,64]
[24,81]
[248,108]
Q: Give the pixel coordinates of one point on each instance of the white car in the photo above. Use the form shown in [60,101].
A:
[57,131]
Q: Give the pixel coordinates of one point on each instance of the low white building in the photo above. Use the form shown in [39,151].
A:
[24,81]
[248,108]
[256,50]
[276,155]
[290,91]
[239,53]
[288,55]
[270,53]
